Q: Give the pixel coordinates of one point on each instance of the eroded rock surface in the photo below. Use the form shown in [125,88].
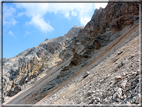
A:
[22,70]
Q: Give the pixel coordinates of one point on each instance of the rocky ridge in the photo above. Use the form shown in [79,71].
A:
[24,69]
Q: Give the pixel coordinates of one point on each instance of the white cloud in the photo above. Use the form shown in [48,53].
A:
[9,16]
[21,14]
[33,9]
[8,11]
[67,15]
[79,10]
[84,20]
[39,22]
[10,22]
[11,34]
[27,33]
[37,12]
[98,5]
[73,13]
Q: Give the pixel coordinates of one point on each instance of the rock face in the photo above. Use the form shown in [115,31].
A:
[24,68]
[100,86]
[114,18]
[106,25]
[108,30]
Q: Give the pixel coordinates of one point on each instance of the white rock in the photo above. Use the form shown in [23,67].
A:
[128,103]
[12,89]
[138,99]
[87,72]
[118,93]
[117,78]
[95,102]
[119,52]
[89,93]
[114,96]
[105,101]
[138,71]
[98,99]
[110,97]
[123,84]
[32,80]
[123,74]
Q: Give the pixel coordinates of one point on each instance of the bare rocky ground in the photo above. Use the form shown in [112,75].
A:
[116,80]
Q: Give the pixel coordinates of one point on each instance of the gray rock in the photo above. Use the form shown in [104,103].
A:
[117,78]
[105,101]
[95,102]
[90,93]
[98,99]
[123,84]
[128,103]
[118,93]
[138,99]
[86,74]
[114,96]
[138,71]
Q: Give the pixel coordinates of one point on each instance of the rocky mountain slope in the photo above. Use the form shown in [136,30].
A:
[23,69]
[95,64]
[113,81]
[116,20]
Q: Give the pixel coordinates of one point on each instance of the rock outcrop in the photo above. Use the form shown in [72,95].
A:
[23,69]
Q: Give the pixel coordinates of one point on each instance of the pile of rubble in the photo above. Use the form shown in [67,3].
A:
[124,90]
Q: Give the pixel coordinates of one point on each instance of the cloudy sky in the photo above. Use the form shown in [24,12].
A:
[26,25]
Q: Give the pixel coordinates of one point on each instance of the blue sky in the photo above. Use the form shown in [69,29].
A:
[26,25]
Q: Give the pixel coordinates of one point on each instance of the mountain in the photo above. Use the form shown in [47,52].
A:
[93,64]
[27,65]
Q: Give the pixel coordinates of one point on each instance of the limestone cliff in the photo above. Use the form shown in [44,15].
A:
[24,68]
